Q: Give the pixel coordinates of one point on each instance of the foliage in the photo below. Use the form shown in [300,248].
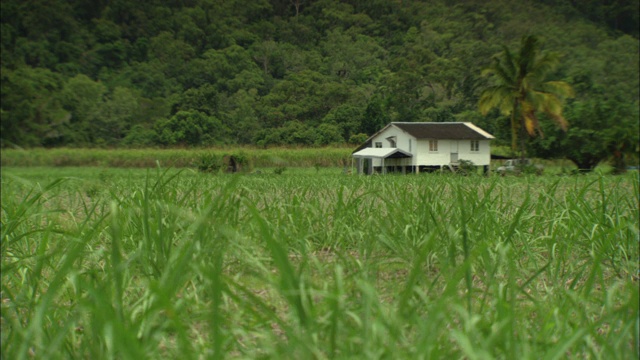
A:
[179,158]
[601,133]
[169,264]
[277,72]
[209,163]
[521,89]
[279,170]
[139,136]
[237,161]
[31,111]
[190,128]
[466,167]
[375,117]
[297,133]
[358,139]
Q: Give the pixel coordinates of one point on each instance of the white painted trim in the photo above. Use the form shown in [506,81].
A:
[477,129]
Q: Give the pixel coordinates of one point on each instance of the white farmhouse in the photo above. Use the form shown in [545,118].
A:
[418,146]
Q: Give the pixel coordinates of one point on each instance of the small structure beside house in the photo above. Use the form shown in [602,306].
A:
[423,146]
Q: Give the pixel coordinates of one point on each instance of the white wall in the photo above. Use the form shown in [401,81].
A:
[401,136]
[433,158]
[422,155]
[443,155]
[402,142]
[480,157]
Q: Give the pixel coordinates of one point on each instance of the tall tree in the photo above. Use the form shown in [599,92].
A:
[606,129]
[30,106]
[520,89]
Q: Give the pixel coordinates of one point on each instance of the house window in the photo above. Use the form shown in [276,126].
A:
[392,141]
[378,144]
[433,145]
[475,145]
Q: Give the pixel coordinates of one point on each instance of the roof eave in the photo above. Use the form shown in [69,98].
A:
[480,131]
[389,153]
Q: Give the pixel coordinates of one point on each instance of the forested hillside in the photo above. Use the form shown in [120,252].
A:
[278,72]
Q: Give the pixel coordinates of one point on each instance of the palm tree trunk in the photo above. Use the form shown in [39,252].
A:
[514,127]
[523,144]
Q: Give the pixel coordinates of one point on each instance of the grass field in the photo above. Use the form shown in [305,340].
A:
[310,158]
[134,264]
[178,158]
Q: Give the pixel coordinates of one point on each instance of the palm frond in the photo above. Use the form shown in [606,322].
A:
[544,64]
[505,74]
[500,97]
[558,88]
[530,120]
[501,69]
[509,63]
[560,120]
[553,108]
[487,72]
[528,51]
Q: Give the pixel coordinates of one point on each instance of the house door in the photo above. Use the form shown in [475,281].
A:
[454,151]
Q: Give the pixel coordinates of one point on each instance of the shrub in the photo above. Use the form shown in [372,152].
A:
[209,163]
[467,167]
[139,136]
[190,128]
[327,134]
[279,170]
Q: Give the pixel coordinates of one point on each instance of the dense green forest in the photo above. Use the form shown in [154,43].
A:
[121,73]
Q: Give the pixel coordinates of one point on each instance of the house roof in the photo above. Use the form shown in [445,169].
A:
[382,153]
[444,130]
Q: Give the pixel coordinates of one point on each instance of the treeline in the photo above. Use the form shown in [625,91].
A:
[126,73]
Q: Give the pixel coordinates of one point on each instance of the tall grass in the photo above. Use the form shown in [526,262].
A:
[149,158]
[176,264]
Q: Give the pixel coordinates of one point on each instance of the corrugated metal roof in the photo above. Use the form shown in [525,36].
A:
[444,130]
[382,153]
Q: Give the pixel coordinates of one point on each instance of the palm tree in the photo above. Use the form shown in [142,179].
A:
[521,90]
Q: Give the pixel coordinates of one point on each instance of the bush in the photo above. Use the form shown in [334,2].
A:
[466,167]
[190,128]
[209,163]
[279,170]
[139,136]
[326,134]
[297,133]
